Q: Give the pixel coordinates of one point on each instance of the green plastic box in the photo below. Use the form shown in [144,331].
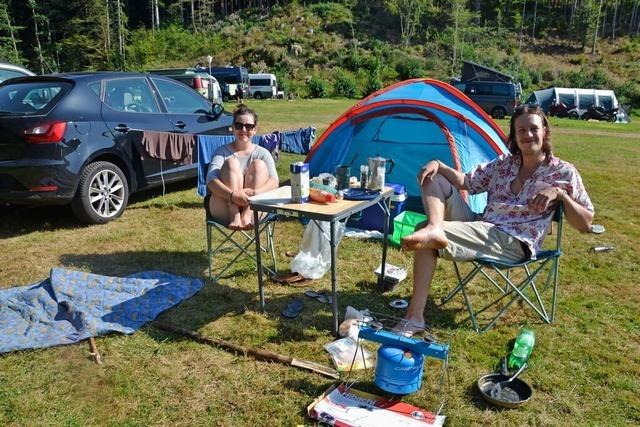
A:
[405,224]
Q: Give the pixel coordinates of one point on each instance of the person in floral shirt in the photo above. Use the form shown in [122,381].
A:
[523,189]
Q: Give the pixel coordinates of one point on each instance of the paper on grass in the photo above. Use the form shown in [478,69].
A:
[350,408]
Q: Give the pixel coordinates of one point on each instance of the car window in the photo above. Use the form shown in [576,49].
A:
[501,90]
[132,95]
[9,74]
[95,88]
[31,98]
[181,100]
[585,101]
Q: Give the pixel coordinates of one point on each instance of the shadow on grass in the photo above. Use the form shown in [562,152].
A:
[16,220]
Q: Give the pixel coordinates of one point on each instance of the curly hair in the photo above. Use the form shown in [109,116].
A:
[242,110]
[529,109]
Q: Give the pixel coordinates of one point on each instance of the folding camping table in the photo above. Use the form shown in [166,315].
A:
[279,201]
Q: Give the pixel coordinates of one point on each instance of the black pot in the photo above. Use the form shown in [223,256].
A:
[519,390]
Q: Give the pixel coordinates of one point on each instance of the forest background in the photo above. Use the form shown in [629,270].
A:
[346,48]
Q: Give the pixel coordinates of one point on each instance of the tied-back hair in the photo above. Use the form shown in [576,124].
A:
[242,110]
[530,109]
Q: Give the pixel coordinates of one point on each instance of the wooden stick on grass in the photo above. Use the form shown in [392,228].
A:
[253,352]
[94,351]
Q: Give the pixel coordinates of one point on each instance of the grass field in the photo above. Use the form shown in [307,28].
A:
[585,367]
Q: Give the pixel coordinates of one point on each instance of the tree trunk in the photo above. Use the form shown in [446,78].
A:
[535,16]
[595,30]
[10,28]
[36,32]
[108,38]
[524,8]
[613,21]
[121,50]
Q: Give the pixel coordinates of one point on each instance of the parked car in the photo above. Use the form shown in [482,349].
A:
[9,71]
[75,138]
[496,98]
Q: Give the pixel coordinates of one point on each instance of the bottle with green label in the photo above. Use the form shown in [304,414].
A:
[522,348]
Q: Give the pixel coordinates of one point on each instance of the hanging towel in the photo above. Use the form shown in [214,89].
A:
[175,147]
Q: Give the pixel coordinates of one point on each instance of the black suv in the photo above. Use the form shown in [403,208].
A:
[76,138]
[496,98]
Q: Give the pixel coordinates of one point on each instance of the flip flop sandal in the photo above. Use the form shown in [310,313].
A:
[288,278]
[293,308]
[321,297]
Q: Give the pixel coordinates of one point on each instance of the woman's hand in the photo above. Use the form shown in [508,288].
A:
[249,192]
[545,198]
[240,198]
[428,171]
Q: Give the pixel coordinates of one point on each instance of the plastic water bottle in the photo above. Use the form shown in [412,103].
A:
[522,348]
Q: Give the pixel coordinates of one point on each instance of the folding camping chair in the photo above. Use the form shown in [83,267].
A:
[503,276]
[242,241]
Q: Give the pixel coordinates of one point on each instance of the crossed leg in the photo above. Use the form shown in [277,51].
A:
[425,242]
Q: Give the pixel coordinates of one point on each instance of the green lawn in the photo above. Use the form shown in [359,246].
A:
[585,368]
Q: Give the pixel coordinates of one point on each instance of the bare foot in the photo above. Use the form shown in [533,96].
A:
[236,222]
[409,328]
[429,237]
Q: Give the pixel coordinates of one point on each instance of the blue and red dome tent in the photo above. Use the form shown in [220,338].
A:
[411,122]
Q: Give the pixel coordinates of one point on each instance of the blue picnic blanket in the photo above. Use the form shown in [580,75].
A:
[70,306]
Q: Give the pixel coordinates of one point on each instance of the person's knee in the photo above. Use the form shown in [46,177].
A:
[231,164]
[258,165]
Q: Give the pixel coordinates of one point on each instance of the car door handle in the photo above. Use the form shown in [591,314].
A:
[122,128]
[180,124]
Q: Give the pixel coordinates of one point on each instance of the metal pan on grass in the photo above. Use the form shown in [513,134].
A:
[513,394]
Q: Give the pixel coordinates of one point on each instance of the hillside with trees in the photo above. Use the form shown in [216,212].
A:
[336,48]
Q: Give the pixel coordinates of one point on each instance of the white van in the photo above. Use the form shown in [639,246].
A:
[263,85]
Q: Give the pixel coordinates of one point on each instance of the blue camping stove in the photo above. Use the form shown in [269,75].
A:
[400,360]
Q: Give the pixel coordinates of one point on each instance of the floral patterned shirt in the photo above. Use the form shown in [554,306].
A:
[511,212]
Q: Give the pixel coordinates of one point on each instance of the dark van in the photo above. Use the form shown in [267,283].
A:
[496,98]
[233,80]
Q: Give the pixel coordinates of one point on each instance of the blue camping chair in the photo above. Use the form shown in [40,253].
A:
[242,242]
[515,282]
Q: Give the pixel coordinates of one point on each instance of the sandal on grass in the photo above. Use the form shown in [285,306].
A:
[292,279]
[293,308]
[321,297]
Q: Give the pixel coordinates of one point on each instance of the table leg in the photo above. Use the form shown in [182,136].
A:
[385,233]
[332,239]
[256,231]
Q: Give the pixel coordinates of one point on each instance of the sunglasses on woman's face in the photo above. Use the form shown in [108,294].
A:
[240,126]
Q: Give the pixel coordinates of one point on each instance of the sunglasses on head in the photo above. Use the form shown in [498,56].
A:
[240,126]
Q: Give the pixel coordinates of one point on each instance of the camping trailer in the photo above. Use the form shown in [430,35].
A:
[581,99]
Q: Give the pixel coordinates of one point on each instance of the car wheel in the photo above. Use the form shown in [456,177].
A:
[498,113]
[257,95]
[573,115]
[102,193]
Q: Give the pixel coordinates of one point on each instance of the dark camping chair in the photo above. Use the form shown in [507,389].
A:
[226,240]
[516,282]
[240,241]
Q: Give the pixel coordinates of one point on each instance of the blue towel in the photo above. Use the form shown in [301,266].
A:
[70,306]
[298,141]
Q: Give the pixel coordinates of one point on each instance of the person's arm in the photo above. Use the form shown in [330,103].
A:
[434,167]
[578,216]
